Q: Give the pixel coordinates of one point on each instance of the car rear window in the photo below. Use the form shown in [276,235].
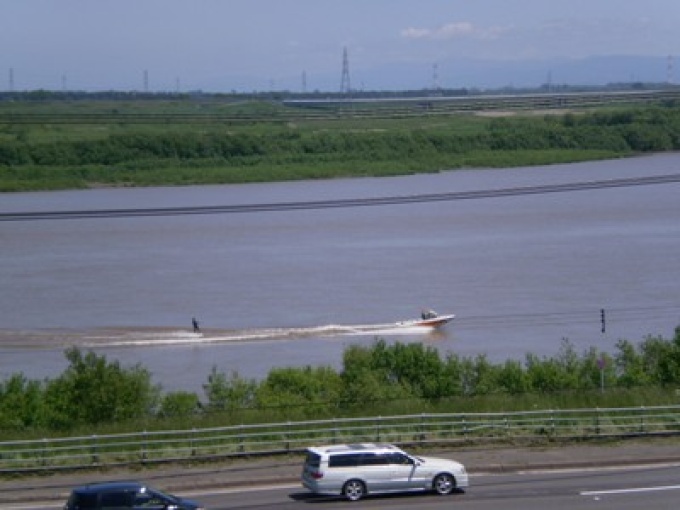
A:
[313,460]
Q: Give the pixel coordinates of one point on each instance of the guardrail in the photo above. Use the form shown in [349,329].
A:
[278,438]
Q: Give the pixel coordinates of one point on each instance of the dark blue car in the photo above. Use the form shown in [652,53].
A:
[123,496]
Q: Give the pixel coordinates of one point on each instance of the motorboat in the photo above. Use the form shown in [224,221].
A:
[429,319]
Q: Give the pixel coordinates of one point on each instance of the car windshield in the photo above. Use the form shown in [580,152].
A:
[156,494]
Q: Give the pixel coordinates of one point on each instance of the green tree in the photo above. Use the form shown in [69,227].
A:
[21,403]
[512,378]
[661,359]
[179,404]
[479,376]
[231,392]
[294,386]
[363,381]
[630,366]
[544,375]
[92,391]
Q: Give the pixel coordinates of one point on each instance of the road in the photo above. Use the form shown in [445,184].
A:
[636,487]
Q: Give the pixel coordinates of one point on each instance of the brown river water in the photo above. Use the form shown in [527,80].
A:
[290,286]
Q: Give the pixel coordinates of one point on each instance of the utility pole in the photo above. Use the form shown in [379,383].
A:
[602,362]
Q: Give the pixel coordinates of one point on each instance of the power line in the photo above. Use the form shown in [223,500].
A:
[586,316]
[342,203]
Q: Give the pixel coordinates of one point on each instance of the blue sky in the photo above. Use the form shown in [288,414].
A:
[222,45]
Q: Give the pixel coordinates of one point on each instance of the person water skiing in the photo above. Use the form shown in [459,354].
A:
[195,324]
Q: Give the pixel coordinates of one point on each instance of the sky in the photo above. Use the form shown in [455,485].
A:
[261,45]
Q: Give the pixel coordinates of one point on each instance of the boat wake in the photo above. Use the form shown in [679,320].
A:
[141,338]
[150,337]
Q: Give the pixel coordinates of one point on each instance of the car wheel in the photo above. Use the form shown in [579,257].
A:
[444,484]
[354,490]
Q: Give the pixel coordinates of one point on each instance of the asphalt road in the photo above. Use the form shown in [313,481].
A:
[603,475]
[614,488]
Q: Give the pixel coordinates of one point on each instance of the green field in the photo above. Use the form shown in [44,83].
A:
[69,144]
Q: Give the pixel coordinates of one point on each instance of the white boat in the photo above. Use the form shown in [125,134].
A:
[429,319]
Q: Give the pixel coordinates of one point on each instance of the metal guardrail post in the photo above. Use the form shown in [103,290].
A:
[43,452]
[143,453]
[241,439]
[642,420]
[93,450]
[192,442]
[553,428]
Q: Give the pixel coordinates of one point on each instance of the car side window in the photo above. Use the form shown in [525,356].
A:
[374,459]
[344,460]
[399,458]
[116,500]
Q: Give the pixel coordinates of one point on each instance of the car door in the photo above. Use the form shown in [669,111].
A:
[403,471]
[374,469]
[115,500]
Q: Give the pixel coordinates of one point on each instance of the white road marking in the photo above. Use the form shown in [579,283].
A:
[597,469]
[631,490]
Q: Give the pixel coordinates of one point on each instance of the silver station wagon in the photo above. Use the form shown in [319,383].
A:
[355,470]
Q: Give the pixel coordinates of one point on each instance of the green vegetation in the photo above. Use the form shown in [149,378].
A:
[62,145]
[94,394]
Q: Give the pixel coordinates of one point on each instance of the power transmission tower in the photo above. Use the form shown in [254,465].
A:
[436,86]
[345,87]
[669,70]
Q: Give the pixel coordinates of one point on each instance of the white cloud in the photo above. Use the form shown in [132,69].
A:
[453,30]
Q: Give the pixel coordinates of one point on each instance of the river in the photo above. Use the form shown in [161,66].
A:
[292,287]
